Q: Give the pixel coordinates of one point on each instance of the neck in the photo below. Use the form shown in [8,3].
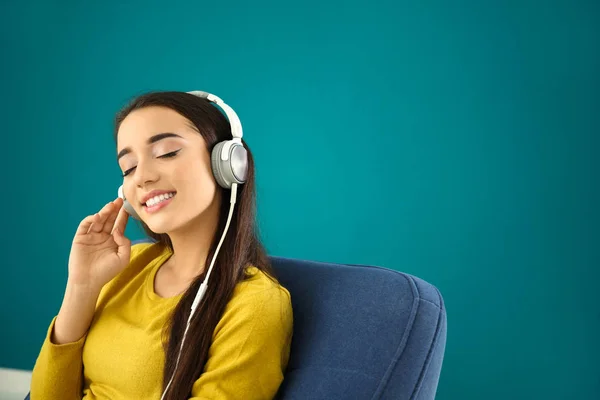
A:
[191,244]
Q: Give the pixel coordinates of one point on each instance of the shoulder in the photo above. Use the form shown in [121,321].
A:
[251,344]
[259,287]
[258,298]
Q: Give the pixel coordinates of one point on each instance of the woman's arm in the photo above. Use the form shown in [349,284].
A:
[57,373]
[58,370]
[75,315]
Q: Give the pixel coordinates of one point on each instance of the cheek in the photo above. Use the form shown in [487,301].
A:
[129,193]
[198,181]
[191,172]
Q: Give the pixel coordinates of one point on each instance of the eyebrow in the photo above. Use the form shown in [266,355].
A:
[151,140]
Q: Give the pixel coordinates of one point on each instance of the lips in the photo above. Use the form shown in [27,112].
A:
[154,193]
[158,206]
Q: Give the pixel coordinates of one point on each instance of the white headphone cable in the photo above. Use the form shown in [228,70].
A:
[204,285]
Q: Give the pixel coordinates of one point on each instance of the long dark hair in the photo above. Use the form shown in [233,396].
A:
[240,249]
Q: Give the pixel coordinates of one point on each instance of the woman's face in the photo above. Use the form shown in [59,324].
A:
[159,149]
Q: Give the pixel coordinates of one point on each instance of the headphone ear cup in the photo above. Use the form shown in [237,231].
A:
[130,210]
[234,169]
[128,207]
[215,161]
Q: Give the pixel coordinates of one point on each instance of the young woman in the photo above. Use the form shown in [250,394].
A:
[122,330]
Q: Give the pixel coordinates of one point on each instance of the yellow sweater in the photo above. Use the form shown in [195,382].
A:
[121,355]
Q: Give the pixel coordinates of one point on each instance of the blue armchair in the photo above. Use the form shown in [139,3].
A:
[361,332]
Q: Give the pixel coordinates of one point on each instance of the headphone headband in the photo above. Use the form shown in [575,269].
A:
[234,120]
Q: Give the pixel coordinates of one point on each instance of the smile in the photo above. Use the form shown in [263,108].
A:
[158,203]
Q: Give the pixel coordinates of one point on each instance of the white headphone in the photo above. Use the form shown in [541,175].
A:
[229,162]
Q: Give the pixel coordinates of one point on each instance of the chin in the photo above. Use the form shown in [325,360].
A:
[160,227]
[166,225]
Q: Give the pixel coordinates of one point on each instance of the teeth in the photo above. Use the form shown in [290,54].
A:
[157,199]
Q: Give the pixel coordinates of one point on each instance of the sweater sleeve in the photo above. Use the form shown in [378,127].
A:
[250,349]
[58,370]
[57,373]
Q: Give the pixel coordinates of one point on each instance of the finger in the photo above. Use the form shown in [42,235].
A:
[123,243]
[110,221]
[90,223]
[103,215]
[91,228]
[121,221]
[85,225]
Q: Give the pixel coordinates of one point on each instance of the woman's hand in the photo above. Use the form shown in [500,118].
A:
[100,249]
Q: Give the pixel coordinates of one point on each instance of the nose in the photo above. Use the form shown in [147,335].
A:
[145,172]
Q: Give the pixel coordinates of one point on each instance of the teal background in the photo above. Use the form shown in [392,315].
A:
[456,141]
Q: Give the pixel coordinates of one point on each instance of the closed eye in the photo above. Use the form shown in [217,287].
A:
[167,155]
[171,154]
